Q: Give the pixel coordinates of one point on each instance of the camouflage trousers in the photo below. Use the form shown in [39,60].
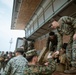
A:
[71,53]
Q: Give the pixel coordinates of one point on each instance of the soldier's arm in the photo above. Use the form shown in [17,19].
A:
[49,68]
[66,20]
[60,40]
[70,21]
[7,69]
[74,25]
[47,43]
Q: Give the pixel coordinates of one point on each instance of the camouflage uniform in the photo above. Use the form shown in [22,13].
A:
[15,66]
[39,69]
[67,27]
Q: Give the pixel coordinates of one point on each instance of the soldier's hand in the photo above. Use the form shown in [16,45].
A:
[74,37]
[55,54]
[46,63]
[49,56]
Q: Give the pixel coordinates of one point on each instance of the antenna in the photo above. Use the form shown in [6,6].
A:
[10,44]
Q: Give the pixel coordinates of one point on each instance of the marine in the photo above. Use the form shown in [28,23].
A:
[33,67]
[66,25]
[16,65]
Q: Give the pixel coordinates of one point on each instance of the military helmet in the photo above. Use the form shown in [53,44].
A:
[31,53]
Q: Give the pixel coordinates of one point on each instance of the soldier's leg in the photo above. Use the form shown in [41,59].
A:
[69,48]
[69,52]
[72,48]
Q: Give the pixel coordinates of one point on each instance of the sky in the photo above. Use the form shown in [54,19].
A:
[6,34]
